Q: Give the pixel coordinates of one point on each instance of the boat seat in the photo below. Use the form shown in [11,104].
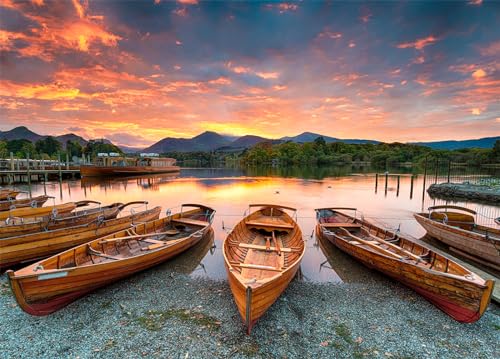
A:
[264,248]
[92,251]
[191,221]
[256,266]
[269,225]
[339,224]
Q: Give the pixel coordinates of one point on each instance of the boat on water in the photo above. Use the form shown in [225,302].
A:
[6,194]
[112,164]
[54,210]
[456,227]
[34,202]
[452,288]
[18,226]
[50,284]
[34,246]
[262,254]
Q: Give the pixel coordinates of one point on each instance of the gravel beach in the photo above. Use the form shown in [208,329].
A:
[167,314]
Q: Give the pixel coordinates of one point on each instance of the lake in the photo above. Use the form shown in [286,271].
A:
[231,190]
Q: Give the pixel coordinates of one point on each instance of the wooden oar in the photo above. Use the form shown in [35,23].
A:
[278,249]
[408,253]
[374,246]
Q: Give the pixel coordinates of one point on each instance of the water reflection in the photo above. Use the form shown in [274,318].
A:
[230,191]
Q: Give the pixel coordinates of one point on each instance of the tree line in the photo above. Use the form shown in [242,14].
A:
[380,155]
[49,148]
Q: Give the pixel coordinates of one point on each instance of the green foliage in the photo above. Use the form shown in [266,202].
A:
[93,148]
[4,152]
[381,155]
[74,148]
[48,145]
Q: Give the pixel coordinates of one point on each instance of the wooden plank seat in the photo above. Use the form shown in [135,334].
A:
[93,252]
[339,224]
[279,225]
[191,221]
[264,248]
[256,266]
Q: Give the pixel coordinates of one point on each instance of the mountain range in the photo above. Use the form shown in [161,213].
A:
[210,141]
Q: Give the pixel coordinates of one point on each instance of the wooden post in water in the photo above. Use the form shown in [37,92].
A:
[437,168]
[67,161]
[386,178]
[425,177]
[449,171]
[59,166]
[397,187]
[376,182]
[29,173]
[411,186]
[12,161]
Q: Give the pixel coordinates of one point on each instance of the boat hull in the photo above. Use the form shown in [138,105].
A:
[101,171]
[25,202]
[48,292]
[464,301]
[26,212]
[469,242]
[31,247]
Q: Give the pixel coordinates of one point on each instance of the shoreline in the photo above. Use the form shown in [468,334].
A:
[163,313]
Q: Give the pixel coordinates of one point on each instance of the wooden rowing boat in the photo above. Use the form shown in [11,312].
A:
[50,284]
[33,246]
[6,194]
[18,226]
[262,255]
[26,212]
[452,288]
[456,227]
[24,202]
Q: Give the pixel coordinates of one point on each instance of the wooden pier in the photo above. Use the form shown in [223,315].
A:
[25,176]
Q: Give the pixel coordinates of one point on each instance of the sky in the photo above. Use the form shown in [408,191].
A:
[138,71]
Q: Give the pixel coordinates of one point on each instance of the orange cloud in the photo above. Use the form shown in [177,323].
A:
[188,2]
[478,74]
[418,44]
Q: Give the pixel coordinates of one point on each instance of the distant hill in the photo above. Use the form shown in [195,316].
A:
[310,137]
[207,141]
[24,133]
[486,142]
[20,133]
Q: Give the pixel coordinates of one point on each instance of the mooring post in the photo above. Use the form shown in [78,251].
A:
[29,173]
[449,170]
[386,178]
[425,177]
[12,161]
[411,186]
[59,165]
[67,161]
[437,169]
[376,182]
[397,188]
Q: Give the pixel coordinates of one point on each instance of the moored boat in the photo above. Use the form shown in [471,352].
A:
[116,165]
[34,202]
[262,255]
[50,284]
[26,212]
[456,227]
[6,194]
[18,226]
[33,246]
[452,288]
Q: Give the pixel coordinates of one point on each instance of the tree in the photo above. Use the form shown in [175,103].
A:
[74,148]
[4,153]
[48,145]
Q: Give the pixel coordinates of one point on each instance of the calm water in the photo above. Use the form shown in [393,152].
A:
[230,191]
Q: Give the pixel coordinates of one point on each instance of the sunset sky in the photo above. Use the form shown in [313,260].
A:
[136,72]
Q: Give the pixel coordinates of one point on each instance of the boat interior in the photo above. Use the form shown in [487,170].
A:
[381,241]
[135,241]
[459,217]
[264,244]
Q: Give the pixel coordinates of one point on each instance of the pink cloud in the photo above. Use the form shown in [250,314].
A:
[418,44]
